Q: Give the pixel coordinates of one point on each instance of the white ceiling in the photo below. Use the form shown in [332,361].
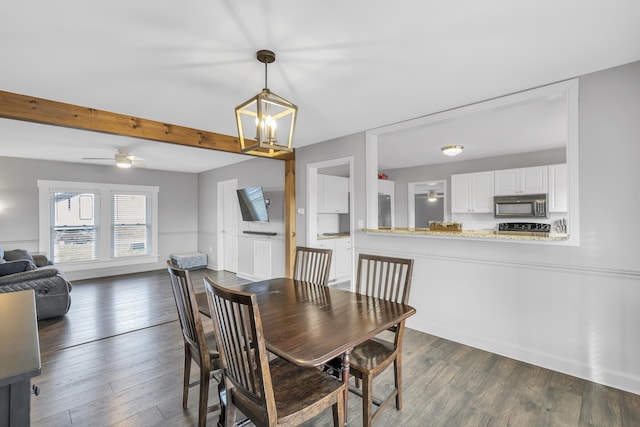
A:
[349,66]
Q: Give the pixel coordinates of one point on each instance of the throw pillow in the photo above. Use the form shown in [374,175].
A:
[17,254]
[1,253]
[17,266]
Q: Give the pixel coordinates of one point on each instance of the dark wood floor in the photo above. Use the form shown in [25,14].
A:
[116,359]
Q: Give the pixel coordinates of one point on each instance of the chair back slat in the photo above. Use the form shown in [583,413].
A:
[241,343]
[382,277]
[312,265]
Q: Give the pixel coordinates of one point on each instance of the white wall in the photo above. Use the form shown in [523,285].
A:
[177,205]
[571,309]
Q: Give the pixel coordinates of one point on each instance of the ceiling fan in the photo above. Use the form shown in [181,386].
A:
[122,157]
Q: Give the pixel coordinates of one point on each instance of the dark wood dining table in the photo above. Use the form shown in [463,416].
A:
[310,324]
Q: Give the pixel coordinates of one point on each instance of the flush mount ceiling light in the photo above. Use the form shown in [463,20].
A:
[271,117]
[452,150]
[432,196]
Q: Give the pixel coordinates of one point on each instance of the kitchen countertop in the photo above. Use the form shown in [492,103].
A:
[479,234]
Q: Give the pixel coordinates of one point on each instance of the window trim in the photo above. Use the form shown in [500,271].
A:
[105,255]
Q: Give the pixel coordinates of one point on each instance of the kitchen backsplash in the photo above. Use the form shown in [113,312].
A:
[487,221]
[333,223]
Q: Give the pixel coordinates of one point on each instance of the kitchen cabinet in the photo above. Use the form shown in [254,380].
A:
[531,180]
[333,194]
[343,262]
[472,192]
[558,180]
[340,258]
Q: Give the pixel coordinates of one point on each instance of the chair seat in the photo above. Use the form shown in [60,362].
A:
[371,355]
[296,387]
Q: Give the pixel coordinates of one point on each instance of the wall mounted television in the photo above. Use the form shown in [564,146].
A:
[253,205]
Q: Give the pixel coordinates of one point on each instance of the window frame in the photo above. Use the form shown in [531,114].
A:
[105,257]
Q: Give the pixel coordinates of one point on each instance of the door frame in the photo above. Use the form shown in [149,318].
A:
[312,204]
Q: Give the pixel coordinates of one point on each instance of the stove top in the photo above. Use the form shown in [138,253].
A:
[519,227]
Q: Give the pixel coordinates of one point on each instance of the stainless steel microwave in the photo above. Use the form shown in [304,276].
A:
[520,206]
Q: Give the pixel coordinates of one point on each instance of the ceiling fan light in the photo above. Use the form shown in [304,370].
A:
[452,150]
[123,162]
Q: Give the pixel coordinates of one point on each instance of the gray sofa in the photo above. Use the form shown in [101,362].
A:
[19,270]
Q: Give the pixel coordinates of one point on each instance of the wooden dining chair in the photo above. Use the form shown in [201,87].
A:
[269,393]
[390,279]
[312,265]
[198,346]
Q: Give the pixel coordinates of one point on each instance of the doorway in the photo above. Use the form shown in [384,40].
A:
[427,201]
[331,183]
[227,246]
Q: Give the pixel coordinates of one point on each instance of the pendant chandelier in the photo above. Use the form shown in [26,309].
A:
[271,117]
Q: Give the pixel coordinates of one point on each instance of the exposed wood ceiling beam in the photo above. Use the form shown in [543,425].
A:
[38,110]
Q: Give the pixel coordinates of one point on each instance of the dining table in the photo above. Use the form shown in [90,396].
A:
[309,324]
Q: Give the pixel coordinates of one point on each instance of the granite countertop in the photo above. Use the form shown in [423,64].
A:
[481,234]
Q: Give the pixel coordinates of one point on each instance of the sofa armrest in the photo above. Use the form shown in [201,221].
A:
[41,260]
[28,275]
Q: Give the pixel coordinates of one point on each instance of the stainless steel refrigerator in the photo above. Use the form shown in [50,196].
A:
[384,211]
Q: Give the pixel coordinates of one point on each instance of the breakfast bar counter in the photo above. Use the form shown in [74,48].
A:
[470,234]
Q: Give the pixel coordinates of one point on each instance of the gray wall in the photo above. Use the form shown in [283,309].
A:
[572,309]
[177,202]
[256,171]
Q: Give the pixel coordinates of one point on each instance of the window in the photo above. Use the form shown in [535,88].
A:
[89,225]
[74,234]
[130,225]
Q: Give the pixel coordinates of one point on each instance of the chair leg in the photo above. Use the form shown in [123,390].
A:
[187,373]
[367,400]
[230,412]
[203,404]
[397,368]
[338,411]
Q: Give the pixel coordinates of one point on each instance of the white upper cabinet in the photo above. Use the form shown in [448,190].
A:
[558,180]
[333,194]
[472,192]
[531,180]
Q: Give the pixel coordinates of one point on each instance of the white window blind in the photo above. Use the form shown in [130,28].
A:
[74,226]
[131,225]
